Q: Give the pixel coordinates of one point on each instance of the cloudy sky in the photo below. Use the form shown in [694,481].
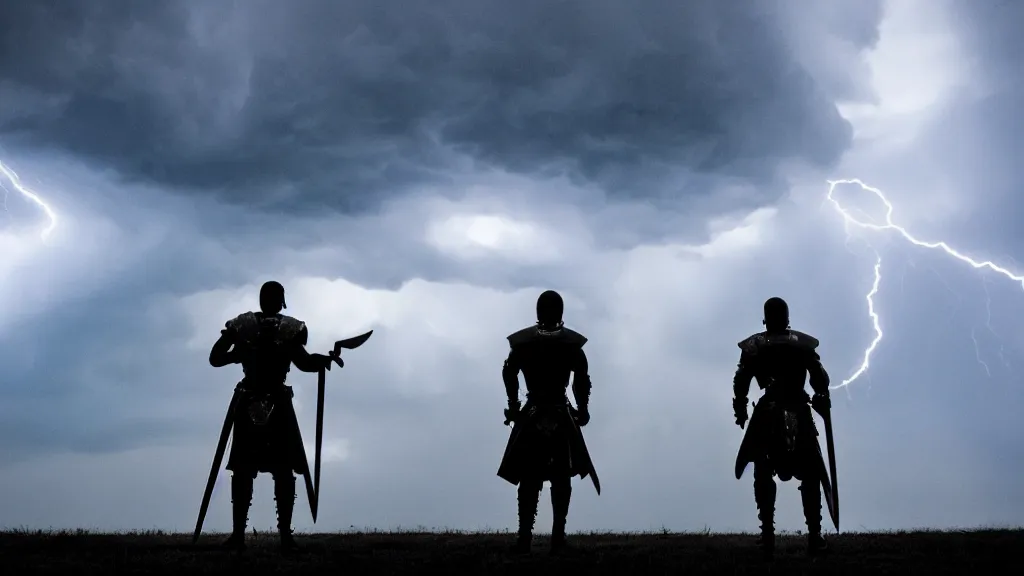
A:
[427,170]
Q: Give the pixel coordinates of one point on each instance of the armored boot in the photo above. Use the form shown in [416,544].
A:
[529,496]
[561,494]
[284,495]
[764,496]
[241,499]
[810,495]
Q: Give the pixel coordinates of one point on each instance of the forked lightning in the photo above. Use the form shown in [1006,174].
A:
[890,226]
[12,177]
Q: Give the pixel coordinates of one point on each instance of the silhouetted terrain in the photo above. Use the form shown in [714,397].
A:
[929,553]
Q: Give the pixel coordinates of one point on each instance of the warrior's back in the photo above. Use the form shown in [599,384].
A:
[547,360]
[266,344]
[781,362]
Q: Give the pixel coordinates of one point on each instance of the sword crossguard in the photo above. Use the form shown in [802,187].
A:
[347,344]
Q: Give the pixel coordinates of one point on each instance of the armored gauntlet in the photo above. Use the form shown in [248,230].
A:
[821,403]
[583,416]
[739,408]
[512,412]
[581,387]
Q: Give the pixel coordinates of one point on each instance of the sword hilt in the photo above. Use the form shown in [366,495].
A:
[510,416]
[335,356]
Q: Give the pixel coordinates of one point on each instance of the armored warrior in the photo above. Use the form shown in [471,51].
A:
[546,443]
[782,439]
[266,431]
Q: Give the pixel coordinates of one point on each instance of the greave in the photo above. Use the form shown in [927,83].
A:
[764,496]
[529,496]
[241,499]
[284,495]
[561,495]
[810,495]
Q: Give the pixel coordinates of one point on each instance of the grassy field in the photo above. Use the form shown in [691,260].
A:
[976,552]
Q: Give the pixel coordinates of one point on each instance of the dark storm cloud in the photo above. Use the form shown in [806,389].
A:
[344,101]
[992,30]
[326,97]
[979,141]
[85,382]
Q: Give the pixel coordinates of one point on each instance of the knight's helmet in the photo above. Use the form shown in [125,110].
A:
[272,297]
[776,314]
[549,310]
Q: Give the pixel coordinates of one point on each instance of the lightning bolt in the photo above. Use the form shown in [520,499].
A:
[890,226]
[876,323]
[12,177]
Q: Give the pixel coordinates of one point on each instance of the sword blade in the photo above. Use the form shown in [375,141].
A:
[311,495]
[352,343]
[321,389]
[593,471]
[831,445]
[595,480]
[218,457]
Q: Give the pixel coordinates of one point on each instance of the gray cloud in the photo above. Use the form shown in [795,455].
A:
[322,104]
[109,377]
[420,406]
[980,138]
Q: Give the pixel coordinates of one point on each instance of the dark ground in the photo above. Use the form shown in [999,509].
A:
[983,552]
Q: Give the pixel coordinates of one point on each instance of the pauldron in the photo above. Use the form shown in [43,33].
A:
[534,333]
[249,327]
[750,344]
[753,343]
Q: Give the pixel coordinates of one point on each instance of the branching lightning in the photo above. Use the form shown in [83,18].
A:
[876,323]
[890,226]
[15,181]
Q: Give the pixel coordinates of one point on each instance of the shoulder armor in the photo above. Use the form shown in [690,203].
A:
[242,324]
[803,339]
[574,337]
[291,327]
[533,333]
[751,343]
[790,337]
[522,336]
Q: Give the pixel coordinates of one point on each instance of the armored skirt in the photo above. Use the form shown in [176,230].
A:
[266,436]
[783,436]
[545,443]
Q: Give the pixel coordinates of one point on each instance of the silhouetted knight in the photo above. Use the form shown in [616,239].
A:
[546,443]
[782,438]
[261,413]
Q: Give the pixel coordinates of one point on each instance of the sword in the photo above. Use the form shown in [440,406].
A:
[321,389]
[826,416]
[579,434]
[218,457]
